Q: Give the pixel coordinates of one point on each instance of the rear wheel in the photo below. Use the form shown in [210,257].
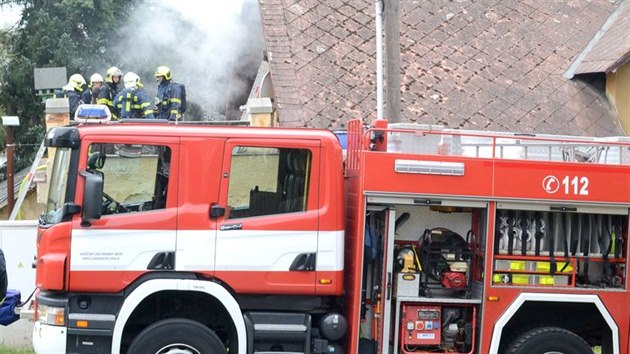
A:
[177,336]
[549,340]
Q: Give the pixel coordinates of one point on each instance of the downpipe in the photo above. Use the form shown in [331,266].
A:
[379,58]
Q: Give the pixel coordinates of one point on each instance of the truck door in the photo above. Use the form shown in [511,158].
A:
[136,232]
[199,184]
[267,239]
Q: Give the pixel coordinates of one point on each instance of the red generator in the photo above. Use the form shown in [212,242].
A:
[421,325]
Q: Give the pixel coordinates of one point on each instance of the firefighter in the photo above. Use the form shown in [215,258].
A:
[96,82]
[132,101]
[109,91]
[4,282]
[170,96]
[72,91]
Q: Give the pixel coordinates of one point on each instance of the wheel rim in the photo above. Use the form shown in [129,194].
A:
[554,352]
[178,348]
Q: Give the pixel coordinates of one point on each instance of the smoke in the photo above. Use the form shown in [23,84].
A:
[208,45]
[9,16]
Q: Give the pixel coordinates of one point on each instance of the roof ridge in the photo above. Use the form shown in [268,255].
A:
[570,73]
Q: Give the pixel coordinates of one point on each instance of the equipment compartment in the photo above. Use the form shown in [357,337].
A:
[560,248]
[434,248]
[433,270]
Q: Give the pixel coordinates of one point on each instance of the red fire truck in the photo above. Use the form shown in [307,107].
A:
[161,238]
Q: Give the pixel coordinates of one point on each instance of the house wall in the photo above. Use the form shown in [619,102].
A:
[618,91]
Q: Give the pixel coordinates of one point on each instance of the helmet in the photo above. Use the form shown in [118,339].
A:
[406,260]
[96,78]
[163,71]
[132,80]
[111,72]
[77,82]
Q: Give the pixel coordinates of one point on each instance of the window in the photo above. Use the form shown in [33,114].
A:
[266,181]
[135,177]
[58,184]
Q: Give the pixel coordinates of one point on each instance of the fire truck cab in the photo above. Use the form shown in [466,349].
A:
[161,238]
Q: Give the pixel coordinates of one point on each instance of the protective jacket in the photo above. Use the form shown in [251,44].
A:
[133,102]
[86,96]
[74,99]
[89,96]
[169,100]
[106,96]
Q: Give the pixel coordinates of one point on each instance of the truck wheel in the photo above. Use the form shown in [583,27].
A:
[177,335]
[549,340]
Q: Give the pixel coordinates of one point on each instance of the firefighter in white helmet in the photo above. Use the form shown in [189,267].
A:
[72,91]
[96,83]
[132,101]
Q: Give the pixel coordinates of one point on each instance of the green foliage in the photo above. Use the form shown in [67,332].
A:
[70,33]
[24,151]
[8,350]
[3,135]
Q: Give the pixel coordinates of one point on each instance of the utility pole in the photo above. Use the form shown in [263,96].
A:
[392,60]
[9,122]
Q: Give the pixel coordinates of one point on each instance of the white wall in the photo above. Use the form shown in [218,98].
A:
[17,240]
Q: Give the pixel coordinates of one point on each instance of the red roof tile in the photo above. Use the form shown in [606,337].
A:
[489,64]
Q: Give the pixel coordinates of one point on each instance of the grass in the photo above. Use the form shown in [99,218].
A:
[6,350]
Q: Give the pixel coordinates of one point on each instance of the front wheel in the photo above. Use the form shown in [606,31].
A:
[549,340]
[177,335]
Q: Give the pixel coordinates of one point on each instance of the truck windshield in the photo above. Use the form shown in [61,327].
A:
[57,189]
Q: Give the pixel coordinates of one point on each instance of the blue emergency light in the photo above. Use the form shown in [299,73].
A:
[92,113]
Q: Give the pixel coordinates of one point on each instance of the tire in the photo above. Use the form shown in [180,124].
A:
[177,335]
[549,340]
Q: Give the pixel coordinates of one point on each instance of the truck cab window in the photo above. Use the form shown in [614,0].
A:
[135,177]
[268,181]
[58,185]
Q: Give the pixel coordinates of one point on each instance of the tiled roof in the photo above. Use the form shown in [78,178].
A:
[610,48]
[492,64]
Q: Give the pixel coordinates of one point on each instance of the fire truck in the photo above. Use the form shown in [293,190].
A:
[169,238]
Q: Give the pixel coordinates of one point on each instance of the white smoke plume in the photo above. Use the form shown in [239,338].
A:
[204,43]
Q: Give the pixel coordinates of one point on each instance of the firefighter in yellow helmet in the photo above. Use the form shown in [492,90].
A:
[72,91]
[109,91]
[171,96]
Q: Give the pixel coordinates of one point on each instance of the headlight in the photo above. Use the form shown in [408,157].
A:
[50,315]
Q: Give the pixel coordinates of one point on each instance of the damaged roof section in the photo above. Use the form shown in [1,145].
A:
[609,48]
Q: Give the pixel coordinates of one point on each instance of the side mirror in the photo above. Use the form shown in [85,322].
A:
[92,196]
[70,209]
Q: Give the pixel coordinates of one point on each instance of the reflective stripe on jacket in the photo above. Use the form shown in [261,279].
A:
[169,97]
[133,103]
[106,96]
